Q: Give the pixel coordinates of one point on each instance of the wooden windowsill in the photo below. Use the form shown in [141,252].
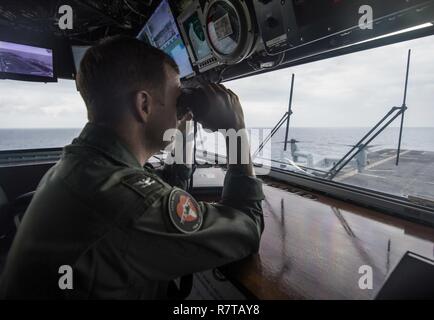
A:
[313,246]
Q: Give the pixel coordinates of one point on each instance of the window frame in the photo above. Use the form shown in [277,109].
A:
[380,201]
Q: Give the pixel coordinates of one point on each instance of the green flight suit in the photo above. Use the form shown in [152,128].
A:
[122,229]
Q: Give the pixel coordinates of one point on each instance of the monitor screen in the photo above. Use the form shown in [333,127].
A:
[196,36]
[162,32]
[26,60]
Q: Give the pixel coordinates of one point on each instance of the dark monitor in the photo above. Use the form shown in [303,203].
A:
[162,32]
[412,278]
[24,62]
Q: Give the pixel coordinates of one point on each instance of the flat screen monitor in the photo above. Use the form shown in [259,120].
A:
[412,278]
[26,62]
[162,32]
[196,36]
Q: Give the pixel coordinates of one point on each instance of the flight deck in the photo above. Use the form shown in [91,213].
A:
[414,176]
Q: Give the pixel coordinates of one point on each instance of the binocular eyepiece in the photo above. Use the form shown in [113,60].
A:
[193,100]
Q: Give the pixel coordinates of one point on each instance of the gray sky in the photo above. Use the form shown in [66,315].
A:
[352,90]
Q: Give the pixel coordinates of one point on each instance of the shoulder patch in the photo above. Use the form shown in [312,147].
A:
[184,211]
[143,184]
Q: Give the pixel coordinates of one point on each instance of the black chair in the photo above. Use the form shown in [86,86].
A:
[7,227]
[19,206]
[11,213]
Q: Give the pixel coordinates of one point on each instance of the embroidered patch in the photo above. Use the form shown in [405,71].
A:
[143,184]
[184,211]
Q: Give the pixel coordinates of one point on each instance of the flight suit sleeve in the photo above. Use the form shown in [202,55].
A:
[159,247]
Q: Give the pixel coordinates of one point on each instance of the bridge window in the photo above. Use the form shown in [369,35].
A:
[339,100]
[36,115]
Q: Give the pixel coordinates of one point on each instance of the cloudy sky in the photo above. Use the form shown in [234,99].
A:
[350,91]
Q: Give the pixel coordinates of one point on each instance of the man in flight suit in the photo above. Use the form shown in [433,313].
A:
[123,231]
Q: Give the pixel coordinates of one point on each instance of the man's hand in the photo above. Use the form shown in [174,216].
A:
[224,109]
[225,112]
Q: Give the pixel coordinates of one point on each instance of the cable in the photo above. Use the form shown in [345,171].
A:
[134,10]
[256,68]
[221,73]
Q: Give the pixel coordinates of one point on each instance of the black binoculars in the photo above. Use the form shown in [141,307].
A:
[193,100]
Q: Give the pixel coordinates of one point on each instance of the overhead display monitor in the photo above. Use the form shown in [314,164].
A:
[196,36]
[162,32]
[191,24]
[19,61]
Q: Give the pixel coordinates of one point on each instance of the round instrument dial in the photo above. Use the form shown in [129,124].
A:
[229,30]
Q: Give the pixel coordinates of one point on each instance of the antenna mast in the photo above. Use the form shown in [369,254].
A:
[403,107]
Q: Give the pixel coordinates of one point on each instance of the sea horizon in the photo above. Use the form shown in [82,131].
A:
[321,142]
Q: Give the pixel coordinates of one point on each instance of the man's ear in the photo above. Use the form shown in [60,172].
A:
[142,105]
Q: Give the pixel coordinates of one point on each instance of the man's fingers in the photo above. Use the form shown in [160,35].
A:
[217,89]
[234,95]
[209,91]
[227,90]
[221,88]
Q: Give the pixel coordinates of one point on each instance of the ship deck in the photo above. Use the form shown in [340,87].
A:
[414,176]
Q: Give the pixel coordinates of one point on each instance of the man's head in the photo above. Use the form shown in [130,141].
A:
[125,83]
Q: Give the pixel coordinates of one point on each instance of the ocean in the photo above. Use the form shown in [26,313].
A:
[320,142]
[18,139]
